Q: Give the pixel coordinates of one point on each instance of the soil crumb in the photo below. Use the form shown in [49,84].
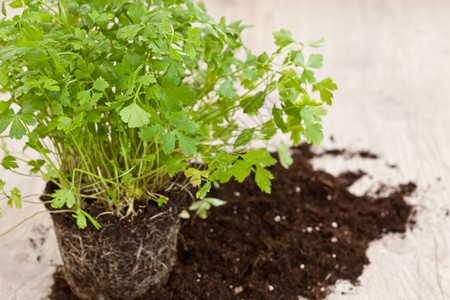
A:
[297,241]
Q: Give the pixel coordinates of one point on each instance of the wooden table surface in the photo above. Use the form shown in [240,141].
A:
[391,60]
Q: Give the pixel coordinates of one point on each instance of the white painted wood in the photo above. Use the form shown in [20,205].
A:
[391,60]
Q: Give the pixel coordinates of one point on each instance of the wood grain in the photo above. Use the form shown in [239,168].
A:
[391,60]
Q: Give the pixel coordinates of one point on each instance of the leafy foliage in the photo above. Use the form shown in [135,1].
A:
[130,93]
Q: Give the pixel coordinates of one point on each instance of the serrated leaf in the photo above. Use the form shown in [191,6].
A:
[284,156]
[51,85]
[134,116]
[259,157]
[9,162]
[81,219]
[283,38]
[325,88]
[187,144]
[128,32]
[201,193]
[6,120]
[61,197]
[244,138]
[299,59]
[84,96]
[315,61]
[36,165]
[262,179]
[95,97]
[149,133]
[17,130]
[146,79]
[168,142]
[100,84]
[241,170]
[64,123]
[226,89]
[136,11]
[15,199]
[313,133]
[30,32]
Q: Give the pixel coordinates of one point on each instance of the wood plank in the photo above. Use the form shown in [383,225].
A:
[391,60]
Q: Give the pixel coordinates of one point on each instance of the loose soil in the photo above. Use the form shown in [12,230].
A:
[298,241]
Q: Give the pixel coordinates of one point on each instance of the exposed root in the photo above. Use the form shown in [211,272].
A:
[125,258]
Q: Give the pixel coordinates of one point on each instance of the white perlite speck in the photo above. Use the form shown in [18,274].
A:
[334,239]
[277,219]
[334,225]
[271,288]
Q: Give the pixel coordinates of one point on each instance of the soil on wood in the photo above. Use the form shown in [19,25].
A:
[310,232]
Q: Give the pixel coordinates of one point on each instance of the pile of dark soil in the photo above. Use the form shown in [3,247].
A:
[310,232]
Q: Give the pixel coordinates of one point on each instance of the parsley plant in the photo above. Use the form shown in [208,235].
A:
[119,96]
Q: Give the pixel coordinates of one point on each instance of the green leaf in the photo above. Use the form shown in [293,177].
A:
[187,144]
[161,201]
[149,133]
[100,84]
[259,157]
[61,197]
[9,162]
[64,123]
[3,9]
[30,32]
[134,116]
[136,11]
[168,142]
[196,176]
[15,199]
[84,96]
[316,43]
[81,218]
[315,61]
[278,119]
[284,156]
[215,201]
[283,38]
[262,179]
[241,169]
[325,88]
[201,193]
[36,165]
[146,79]
[313,133]
[185,214]
[226,89]
[128,32]
[244,138]
[6,119]
[51,85]
[17,130]
[299,59]
[2,185]
[252,104]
